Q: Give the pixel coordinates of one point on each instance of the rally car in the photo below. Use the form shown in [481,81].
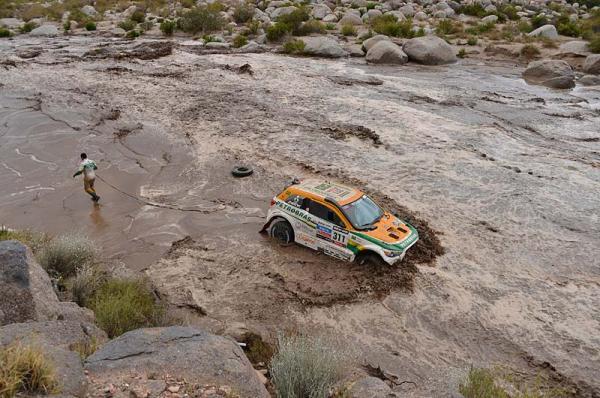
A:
[340,221]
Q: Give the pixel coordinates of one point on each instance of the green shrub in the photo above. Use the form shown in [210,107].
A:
[481,28]
[510,11]
[63,255]
[447,27]
[209,38]
[388,25]
[348,30]
[590,28]
[27,27]
[538,21]
[26,369]
[472,41]
[371,5]
[277,31]
[124,305]
[330,26]
[294,20]
[132,34]
[529,51]
[568,28]
[253,27]
[203,19]
[85,284]
[480,383]
[146,26]
[91,25]
[5,32]
[294,46]
[475,9]
[167,27]
[462,53]
[240,41]
[127,25]
[307,367]
[67,26]
[308,27]
[594,45]
[524,27]
[138,16]
[243,13]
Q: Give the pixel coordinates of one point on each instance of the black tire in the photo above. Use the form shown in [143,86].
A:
[369,258]
[282,231]
[242,171]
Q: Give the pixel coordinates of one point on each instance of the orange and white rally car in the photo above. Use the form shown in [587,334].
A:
[340,221]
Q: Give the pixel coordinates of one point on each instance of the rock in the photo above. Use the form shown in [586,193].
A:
[440,14]
[489,19]
[323,47]
[407,10]
[367,44]
[370,387]
[399,16]
[550,73]
[129,12]
[577,47]
[216,45]
[590,80]
[196,356]
[592,64]
[252,47]
[320,11]
[151,50]
[429,50]
[28,53]
[350,19]
[420,16]
[490,8]
[548,31]
[330,18]
[88,10]
[118,31]
[282,11]
[375,13]
[11,23]
[386,52]
[45,30]
[261,377]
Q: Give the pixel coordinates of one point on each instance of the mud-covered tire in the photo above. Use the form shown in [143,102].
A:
[242,171]
[282,231]
[369,258]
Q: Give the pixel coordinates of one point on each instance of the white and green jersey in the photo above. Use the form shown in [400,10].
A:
[87,167]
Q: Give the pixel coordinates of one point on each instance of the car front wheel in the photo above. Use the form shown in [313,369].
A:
[283,232]
[369,259]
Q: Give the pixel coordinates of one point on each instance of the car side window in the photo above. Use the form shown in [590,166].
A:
[324,213]
[295,200]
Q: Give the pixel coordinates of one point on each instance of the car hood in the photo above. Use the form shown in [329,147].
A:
[391,230]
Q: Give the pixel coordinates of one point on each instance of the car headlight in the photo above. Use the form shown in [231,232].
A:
[390,253]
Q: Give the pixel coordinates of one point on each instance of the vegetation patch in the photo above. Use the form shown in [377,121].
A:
[34,240]
[124,305]
[311,26]
[203,19]
[127,25]
[529,51]
[294,46]
[240,41]
[389,25]
[307,367]
[63,255]
[5,32]
[243,12]
[89,26]
[257,350]
[348,30]
[167,27]
[25,369]
[27,27]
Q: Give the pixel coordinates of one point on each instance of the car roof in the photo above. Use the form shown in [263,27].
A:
[342,194]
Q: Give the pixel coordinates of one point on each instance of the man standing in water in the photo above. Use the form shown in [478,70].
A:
[87,167]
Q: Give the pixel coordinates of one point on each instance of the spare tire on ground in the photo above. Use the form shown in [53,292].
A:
[242,171]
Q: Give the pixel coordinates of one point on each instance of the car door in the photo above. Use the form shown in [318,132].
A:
[330,230]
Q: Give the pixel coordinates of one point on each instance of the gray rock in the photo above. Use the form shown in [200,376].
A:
[367,44]
[408,10]
[420,16]
[375,13]
[370,387]
[489,19]
[350,18]
[45,30]
[359,3]
[550,73]
[282,11]
[592,64]
[330,18]
[252,47]
[386,52]
[196,356]
[577,47]
[490,8]
[354,50]
[590,80]
[429,50]
[399,16]
[320,11]
[217,45]
[11,23]
[88,10]
[27,53]
[440,14]
[129,11]
[548,31]
[323,47]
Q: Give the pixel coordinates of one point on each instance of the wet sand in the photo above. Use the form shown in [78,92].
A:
[506,173]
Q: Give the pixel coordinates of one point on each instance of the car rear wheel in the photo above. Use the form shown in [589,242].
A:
[283,232]
[369,259]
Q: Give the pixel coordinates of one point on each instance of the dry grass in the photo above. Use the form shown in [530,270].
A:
[35,240]
[64,255]
[85,348]
[25,369]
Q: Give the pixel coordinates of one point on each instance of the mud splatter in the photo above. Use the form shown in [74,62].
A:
[344,131]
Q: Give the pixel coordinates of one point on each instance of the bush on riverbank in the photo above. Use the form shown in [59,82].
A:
[63,255]
[25,369]
[203,19]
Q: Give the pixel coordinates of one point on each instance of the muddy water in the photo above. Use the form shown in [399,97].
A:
[506,173]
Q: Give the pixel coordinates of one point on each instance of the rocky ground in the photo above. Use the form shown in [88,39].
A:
[499,176]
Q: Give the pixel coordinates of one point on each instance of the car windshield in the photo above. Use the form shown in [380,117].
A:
[363,212]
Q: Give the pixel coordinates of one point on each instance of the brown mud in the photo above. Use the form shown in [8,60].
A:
[500,178]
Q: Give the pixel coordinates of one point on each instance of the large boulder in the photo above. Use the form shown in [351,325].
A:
[590,80]
[550,73]
[26,293]
[323,47]
[196,356]
[370,387]
[386,52]
[592,64]
[45,30]
[320,11]
[407,10]
[89,10]
[576,47]
[62,343]
[11,23]
[429,50]
[350,18]
[278,12]
[548,31]
[370,42]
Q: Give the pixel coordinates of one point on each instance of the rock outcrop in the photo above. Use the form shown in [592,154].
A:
[187,353]
[429,50]
[592,64]
[370,387]
[386,52]
[45,30]
[323,47]
[370,42]
[550,73]
[548,31]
